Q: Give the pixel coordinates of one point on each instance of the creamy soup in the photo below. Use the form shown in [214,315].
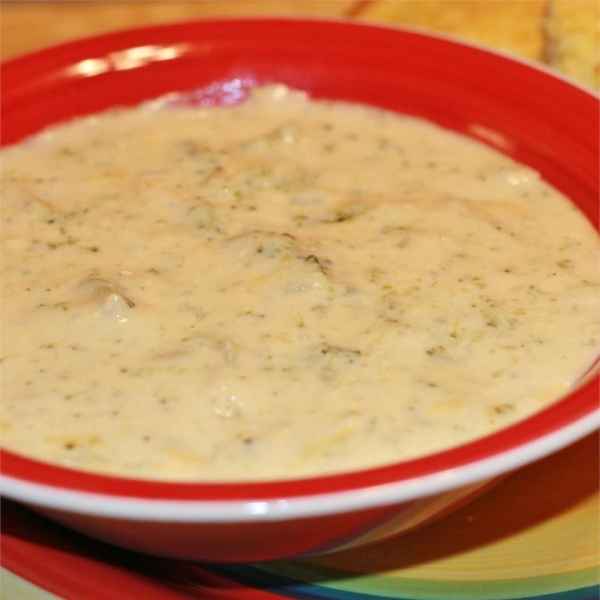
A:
[280,288]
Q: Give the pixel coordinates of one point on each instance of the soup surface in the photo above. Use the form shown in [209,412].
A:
[280,288]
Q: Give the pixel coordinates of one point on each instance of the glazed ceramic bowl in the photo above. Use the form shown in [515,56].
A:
[524,111]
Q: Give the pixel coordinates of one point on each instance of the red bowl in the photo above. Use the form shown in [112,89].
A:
[526,112]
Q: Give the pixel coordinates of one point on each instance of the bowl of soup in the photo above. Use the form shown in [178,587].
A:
[280,287]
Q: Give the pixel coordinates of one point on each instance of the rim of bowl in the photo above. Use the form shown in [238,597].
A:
[50,486]
[558,425]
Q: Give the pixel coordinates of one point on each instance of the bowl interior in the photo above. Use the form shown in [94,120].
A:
[527,113]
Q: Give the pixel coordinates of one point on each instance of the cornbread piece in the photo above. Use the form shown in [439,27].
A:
[513,25]
[573,39]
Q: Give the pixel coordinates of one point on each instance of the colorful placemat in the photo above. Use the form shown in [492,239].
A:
[534,536]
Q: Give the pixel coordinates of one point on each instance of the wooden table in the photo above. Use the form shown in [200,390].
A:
[562,33]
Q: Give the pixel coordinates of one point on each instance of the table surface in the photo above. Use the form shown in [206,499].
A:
[564,34]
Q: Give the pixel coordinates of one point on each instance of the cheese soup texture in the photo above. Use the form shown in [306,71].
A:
[280,288]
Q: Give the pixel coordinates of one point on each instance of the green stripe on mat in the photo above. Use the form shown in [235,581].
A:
[13,587]
[429,589]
